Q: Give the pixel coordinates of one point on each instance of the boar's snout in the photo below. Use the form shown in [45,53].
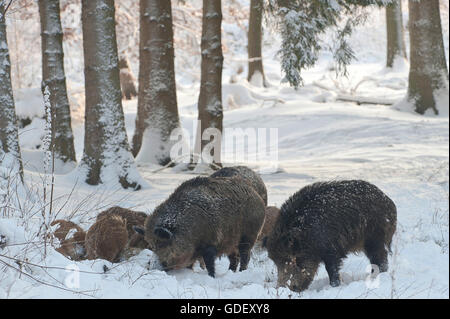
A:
[285,273]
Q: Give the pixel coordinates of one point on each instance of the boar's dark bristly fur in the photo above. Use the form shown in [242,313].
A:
[246,174]
[206,218]
[323,222]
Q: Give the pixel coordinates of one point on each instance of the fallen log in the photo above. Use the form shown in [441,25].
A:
[364,100]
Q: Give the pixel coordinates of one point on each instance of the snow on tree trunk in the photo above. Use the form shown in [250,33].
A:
[107,157]
[428,74]
[127,80]
[255,64]
[9,139]
[54,78]
[210,109]
[157,114]
[394,28]
[49,165]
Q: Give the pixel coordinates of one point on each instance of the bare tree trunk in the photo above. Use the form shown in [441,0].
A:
[394,29]
[54,78]
[9,139]
[210,109]
[428,74]
[127,80]
[107,157]
[157,113]
[255,64]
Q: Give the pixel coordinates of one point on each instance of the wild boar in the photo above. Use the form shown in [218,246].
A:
[127,80]
[205,218]
[71,239]
[107,238]
[132,218]
[325,221]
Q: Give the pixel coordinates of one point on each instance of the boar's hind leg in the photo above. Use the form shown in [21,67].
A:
[377,253]
[332,265]
[209,257]
[244,252]
[234,260]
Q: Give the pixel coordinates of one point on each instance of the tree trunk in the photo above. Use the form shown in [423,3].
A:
[107,157]
[157,114]
[255,65]
[428,73]
[54,78]
[210,109]
[394,29]
[9,138]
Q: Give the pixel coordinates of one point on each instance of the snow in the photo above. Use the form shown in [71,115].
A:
[257,79]
[236,95]
[29,103]
[153,148]
[441,97]
[319,138]
[400,64]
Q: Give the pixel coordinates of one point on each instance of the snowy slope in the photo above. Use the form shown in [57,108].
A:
[405,154]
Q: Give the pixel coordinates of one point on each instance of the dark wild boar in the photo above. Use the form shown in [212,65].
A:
[205,218]
[323,222]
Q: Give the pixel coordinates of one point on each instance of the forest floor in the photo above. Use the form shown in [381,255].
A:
[319,138]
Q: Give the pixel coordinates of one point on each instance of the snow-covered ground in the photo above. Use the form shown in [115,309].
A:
[319,138]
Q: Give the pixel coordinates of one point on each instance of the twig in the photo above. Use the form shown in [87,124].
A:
[7,7]
[48,267]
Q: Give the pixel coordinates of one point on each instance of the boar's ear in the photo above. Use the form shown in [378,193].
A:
[163,233]
[139,230]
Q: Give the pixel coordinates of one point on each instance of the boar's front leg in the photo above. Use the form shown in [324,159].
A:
[209,256]
[234,261]
[332,265]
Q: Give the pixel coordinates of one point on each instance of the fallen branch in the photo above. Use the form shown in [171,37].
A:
[274,100]
[175,161]
[364,100]
[355,99]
